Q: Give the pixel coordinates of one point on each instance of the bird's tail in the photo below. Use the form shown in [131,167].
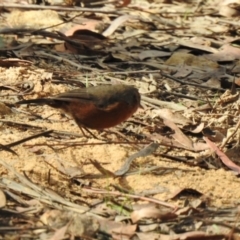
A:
[38,101]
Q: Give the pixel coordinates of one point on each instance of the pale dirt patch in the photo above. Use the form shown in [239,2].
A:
[222,187]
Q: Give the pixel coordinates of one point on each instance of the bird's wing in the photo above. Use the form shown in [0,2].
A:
[77,94]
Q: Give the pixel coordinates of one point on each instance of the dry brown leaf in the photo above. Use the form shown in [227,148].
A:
[183,71]
[117,228]
[10,62]
[84,41]
[180,58]
[197,128]
[229,8]
[124,3]
[223,156]
[153,54]
[115,24]
[185,191]
[60,233]
[199,235]
[175,117]
[178,135]
[152,235]
[4,110]
[89,24]
[215,135]
[213,82]
[151,211]
[227,52]
[195,45]
[78,224]
[200,146]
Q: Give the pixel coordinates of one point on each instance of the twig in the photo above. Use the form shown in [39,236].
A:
[192,84]
[29,138]
[57,8]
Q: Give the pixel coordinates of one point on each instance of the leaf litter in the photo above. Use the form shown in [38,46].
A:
[166,173]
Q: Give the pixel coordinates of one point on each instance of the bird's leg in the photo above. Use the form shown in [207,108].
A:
[88,132]
[82,127]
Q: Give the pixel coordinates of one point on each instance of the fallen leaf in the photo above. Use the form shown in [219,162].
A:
[222,156]
[152,211]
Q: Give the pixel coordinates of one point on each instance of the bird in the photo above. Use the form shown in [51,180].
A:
[96,107]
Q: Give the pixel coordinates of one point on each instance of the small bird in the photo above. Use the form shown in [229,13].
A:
[95,107]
